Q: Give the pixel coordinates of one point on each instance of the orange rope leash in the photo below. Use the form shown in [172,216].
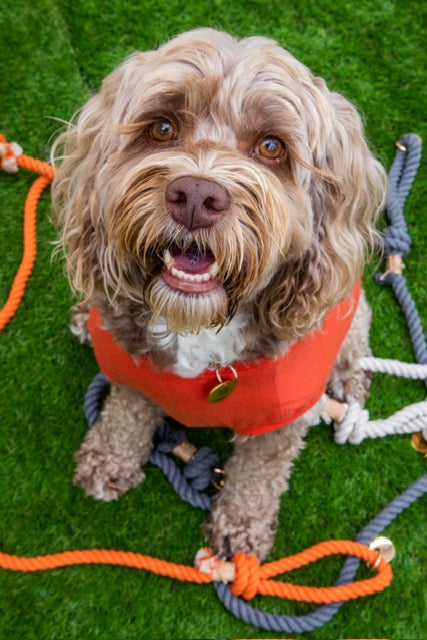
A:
[11,158]
[249,578]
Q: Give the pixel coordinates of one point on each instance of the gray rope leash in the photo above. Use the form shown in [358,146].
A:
[354,425]
[396,238]
[99,385]
[400,289]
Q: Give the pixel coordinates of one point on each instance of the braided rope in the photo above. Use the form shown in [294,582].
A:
[17,289]
[356,425]
[394,367]
[179,483]
[93,398]
[396,239]
[400,289]
[249,577]
[401,177]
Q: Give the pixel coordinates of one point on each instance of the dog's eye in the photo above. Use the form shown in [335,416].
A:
[162,131]
[271,148]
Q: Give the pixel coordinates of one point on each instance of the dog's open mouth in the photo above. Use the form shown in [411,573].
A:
[190,270]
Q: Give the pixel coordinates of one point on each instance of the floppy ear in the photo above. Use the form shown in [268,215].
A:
[81,152]
[347,189]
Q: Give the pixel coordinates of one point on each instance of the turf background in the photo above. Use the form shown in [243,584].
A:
[52,56]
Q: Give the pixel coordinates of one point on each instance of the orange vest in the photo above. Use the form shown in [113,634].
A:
[269,392]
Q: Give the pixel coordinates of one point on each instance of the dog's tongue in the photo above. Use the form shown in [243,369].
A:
[192,260]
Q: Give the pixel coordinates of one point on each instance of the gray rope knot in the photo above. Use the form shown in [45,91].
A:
[396,241]
[200,469]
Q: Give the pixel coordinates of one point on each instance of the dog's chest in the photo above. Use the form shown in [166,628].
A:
[210,348]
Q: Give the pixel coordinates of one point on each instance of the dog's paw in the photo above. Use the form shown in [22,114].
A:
[232,528]
[78,324]
[104,474]
[355,386]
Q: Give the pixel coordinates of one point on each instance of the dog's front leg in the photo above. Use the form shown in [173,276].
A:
[110,458]
[245,513]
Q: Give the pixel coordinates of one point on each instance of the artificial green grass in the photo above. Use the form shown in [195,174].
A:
[52,56]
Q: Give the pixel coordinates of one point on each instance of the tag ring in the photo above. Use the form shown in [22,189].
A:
[233,370]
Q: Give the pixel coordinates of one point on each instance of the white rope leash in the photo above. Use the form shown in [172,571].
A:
[352,423]
[394,367]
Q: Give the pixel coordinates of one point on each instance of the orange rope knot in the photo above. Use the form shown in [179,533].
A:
[9,153]
[247,582]
[248,578]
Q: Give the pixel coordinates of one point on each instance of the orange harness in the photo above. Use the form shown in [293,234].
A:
[269,392]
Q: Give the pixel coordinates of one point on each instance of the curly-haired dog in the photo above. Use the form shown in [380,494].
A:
[216,203]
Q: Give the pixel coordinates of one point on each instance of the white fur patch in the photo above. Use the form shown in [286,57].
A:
[208,349]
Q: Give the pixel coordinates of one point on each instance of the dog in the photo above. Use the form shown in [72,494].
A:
[217,205]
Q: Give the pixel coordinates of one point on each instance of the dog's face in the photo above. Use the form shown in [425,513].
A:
[215,174]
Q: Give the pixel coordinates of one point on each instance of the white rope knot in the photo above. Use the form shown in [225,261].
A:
[352,423]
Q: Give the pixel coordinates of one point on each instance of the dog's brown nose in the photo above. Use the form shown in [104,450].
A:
[196,202]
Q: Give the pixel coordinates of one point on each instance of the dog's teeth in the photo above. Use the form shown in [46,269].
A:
[168,258]
[213,269]
[190,277]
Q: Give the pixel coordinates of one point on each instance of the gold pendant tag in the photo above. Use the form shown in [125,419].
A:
[222,390]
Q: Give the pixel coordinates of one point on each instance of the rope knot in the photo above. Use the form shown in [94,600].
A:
[396,240]
[248,576]
[9,152]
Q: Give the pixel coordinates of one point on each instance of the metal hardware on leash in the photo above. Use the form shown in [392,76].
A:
[401,147]
[385,548]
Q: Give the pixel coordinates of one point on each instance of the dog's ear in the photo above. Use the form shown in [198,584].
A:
[347,190]
[79,155]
